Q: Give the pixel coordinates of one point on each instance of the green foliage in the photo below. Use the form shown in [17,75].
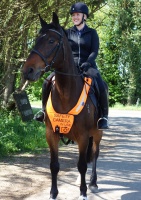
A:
[17,136]
[119,59]
[34,89]
[117,22]
[19,26]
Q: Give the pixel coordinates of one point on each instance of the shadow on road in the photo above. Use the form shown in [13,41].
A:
[119,171]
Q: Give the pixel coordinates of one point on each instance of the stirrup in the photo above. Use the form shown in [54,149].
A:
[40,116]
[102,123]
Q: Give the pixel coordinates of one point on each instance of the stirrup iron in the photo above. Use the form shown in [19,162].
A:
[102,126]
[38,115]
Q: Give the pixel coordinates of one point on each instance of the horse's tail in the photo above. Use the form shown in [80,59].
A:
[90,150]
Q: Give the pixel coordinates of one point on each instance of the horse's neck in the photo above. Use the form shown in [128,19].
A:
[66,79]
[68,87]
[64,85]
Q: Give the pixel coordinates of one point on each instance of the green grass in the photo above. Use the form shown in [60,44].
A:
[116,106]
[36,104]
[119,106]
[17,136]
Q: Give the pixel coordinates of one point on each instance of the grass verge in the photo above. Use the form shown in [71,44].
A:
[119,106]
[17,136]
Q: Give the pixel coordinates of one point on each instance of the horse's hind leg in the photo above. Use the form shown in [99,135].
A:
[93,180]
[82,168]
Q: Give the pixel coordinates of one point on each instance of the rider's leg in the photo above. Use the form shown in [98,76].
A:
[103,97]
[104,104]
[46,88]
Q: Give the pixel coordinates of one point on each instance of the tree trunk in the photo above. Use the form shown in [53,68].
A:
[9,85]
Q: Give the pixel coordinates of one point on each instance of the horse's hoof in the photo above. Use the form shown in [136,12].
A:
[52,199]
[82,198]
[94,189]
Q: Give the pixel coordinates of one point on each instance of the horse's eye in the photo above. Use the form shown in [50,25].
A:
[51,41]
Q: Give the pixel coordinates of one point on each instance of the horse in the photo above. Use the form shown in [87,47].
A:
[53,52]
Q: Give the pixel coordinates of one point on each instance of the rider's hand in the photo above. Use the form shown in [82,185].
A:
[85,66]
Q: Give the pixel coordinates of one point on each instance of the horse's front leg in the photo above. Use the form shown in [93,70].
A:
[53,141]
[93,180]
[82,168]
[54,167]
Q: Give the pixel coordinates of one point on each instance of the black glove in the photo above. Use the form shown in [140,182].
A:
[85,66]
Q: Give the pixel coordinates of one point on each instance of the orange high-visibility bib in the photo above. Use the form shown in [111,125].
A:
[64,122]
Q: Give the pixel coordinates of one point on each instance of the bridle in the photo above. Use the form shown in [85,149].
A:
[56,48]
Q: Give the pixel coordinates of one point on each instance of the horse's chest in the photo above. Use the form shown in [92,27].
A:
[62,118]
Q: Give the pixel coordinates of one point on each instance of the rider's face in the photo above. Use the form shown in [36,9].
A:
[77,18]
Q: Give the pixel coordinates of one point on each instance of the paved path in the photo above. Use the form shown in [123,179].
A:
[119,163]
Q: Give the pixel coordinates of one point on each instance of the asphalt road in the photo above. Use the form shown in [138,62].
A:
[119,163]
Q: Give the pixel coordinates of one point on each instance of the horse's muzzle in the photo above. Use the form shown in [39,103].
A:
[32,74]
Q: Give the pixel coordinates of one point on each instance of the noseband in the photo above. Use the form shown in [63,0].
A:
[57,47]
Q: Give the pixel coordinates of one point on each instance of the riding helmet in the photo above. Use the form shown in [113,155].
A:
[79,7]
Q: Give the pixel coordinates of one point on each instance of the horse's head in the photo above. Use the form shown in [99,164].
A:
[47,50]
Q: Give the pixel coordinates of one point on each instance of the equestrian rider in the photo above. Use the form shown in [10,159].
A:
[84,42]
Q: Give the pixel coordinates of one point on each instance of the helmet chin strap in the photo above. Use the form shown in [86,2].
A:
[82,21]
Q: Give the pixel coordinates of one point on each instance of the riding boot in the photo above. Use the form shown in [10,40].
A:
[46,88]
[102,122]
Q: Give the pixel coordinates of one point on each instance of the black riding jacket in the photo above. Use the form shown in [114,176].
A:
[84,45]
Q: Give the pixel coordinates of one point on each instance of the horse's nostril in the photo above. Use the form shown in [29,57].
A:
[30,70]
[28,73]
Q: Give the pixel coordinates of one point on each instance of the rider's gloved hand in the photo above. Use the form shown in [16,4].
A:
[85,66]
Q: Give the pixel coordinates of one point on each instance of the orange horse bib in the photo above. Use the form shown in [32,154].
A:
[63,122]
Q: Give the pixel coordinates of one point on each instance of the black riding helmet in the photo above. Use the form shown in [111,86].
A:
[79,7]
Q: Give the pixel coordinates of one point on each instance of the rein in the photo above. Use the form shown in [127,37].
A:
[67,74]
[49,66]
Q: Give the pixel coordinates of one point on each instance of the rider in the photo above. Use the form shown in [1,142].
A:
[84,42]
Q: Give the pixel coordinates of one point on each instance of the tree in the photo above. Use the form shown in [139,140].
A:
[117,22]
[19,26]
[120,53]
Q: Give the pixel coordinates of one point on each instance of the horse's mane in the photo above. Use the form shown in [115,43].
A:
[64,31]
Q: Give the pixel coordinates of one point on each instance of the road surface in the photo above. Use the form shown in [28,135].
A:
[119,163]
[27,177]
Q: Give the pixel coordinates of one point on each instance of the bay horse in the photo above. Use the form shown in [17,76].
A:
[52,51]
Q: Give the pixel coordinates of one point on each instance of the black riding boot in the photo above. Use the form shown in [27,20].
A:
[46,88]
[103,120]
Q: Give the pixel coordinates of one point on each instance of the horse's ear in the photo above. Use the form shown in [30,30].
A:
[43,23]
[55,19]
